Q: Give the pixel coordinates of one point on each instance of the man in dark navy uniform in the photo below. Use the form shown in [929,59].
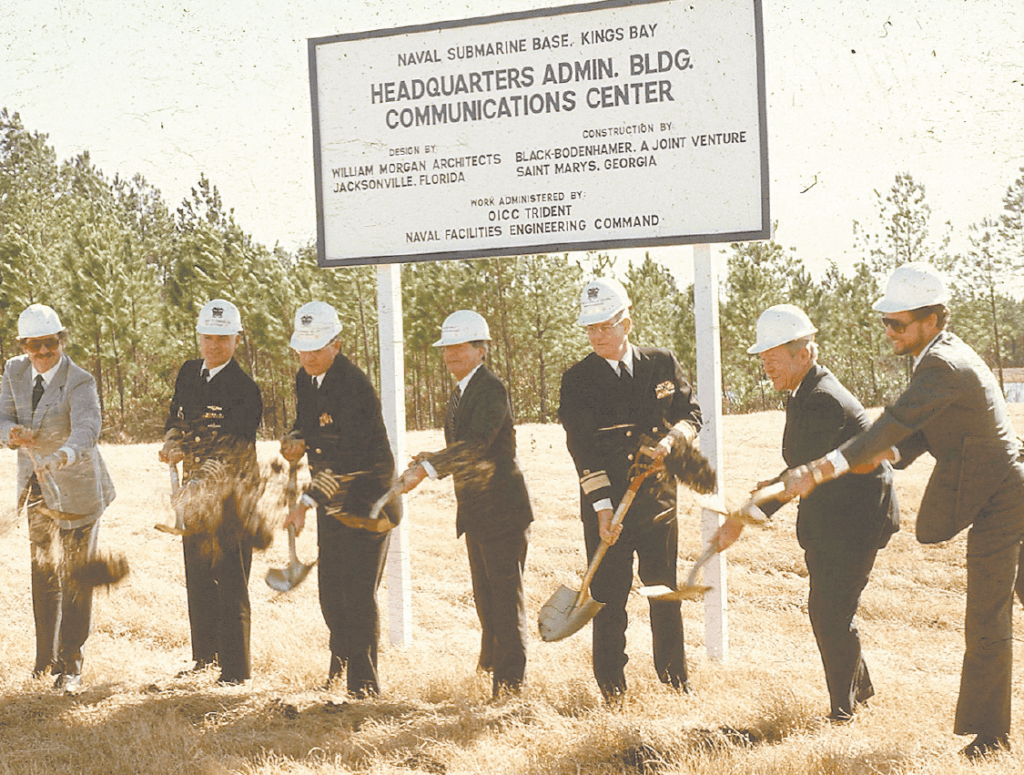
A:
[211,427]
[339,425]
[613,400]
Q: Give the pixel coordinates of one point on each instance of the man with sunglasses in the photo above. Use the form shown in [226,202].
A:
[50,413]
[614,401]
[954,409]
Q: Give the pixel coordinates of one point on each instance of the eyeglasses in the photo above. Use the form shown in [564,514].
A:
[35,345]
[603,328]
[898,326]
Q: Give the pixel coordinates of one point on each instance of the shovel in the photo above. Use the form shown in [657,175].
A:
[566,612]
[745,514]
[290,576]
[179,519]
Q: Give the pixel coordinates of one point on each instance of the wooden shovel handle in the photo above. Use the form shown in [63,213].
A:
[617,517]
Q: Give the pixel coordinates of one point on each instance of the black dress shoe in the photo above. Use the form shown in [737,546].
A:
[69,683]
[42,672]
[983,745]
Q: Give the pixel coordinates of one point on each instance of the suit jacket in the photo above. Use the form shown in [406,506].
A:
[606,418]
[481,456]
[954,409]
[342,424]
[218,419]
[68,415]
[857,508]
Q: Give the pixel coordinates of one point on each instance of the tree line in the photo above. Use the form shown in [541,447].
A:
[128,272]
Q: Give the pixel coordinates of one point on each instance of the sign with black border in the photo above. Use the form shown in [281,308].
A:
[622,124]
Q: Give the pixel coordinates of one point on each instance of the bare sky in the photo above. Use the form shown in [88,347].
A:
[858,91]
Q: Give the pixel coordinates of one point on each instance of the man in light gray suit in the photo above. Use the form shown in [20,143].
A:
[50,412]
[954,409]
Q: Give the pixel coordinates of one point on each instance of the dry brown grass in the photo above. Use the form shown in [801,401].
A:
[756,712]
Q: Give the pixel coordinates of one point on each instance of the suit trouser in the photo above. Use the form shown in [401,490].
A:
[654,543]
[838,572]
[217,585]
[993,557]
[63,612]
[349,573]
[496,567]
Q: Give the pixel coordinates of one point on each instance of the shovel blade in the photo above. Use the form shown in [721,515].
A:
[299,571]
[287,578]
[565,614]
[171,529]
[278,579]
[685,592]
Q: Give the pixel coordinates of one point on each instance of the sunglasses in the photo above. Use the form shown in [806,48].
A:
[898,326]
[35,345]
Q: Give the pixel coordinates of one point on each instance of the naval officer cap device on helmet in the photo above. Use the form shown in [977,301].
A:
[316,326]
[219,317]
[602,299]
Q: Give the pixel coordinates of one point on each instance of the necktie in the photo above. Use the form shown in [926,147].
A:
[205,374]
[453,405]
[37,392]
[624,374]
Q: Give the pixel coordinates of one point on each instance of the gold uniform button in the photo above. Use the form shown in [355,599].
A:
[629,456]
[628,434]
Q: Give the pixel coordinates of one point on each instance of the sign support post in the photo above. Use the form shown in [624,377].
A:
[392,399]
[709,392]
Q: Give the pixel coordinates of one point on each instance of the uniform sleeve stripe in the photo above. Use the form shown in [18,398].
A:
[595,481]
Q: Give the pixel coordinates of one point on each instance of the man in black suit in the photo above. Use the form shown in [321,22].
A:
[493,504]
[339,425]
[612,401]
[211,426]
[841,525]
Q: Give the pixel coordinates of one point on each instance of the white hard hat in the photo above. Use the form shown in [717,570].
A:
[601,300]
[316,324]
[463,325]
[780,324]
[38,320]
[219,317]
[911,286]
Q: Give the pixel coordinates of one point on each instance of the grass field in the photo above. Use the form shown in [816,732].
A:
[758,711]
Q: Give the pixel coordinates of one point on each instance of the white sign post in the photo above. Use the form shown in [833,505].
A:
[626,123]
[392,399]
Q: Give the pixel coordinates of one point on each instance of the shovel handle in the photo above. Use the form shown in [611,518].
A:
[179,517]
[293,558]
[709,551]
[617,517]
[49,476]
[292,490]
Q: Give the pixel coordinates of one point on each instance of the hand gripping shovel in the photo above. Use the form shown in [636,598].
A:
[566,612]
[290,576]
[745,514]
[375,523]
[179,518]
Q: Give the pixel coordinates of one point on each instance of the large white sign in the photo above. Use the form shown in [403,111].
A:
[617,124]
